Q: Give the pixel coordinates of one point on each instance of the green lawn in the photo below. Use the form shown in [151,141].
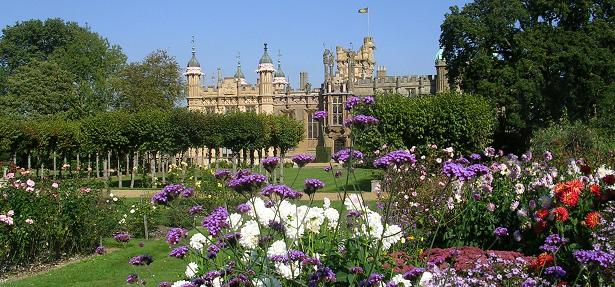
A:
[361,178]
[112,268]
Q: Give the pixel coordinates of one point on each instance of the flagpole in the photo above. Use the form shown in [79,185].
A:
[368,22]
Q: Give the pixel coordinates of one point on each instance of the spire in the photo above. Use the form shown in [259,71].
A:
[279,72]
[193,61]
[239,73]
[265,59]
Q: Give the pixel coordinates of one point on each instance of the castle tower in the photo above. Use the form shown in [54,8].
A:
[193,74]
[265,82]
[279,79]
[239,77]
[441,73]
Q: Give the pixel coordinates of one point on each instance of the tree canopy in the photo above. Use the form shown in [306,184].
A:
[538,61]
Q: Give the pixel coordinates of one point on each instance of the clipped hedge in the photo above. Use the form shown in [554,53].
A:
[462,121]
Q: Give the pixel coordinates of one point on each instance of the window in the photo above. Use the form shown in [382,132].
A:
[210,110]
[312,126]
[337,111]
[251,109]
[230,109]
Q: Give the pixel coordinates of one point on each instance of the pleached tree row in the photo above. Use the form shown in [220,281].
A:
[149,140]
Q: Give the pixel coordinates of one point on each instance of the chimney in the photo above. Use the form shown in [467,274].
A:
[303,80]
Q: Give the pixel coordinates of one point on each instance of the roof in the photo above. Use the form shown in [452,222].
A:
[265,59]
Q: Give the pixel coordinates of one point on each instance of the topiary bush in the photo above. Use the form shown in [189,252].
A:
[462,121]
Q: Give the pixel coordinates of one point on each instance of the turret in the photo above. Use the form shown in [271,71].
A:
[193,74]
[279,79]
[265,82]
[441,73]
[239,77]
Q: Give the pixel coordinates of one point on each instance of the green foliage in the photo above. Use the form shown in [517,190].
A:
[533,60]
[286,132]
[323,154]
[576,140]
[66,221]
[52,66]
[154,83]
[464,122]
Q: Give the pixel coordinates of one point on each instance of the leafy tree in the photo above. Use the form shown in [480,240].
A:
[286,133]
[154,83]
[54,48]
[42,88]
[538,61]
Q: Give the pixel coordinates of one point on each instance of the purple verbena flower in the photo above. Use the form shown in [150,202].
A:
[175,235]
[312,185]
[270,163]
[222,174]
[396,158]
[216,220]
[352,102]
[345,154]
[122,237]
[302,159]
[501,231]
[179,252]
[243,208]
[320,115]
[194,210]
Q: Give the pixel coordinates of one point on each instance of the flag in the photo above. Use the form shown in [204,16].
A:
[363,10]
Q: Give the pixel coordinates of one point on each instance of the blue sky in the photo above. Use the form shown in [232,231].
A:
[405,32]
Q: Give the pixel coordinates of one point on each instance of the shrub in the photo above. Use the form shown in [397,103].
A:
[48,223]
[465,122]
[576,140]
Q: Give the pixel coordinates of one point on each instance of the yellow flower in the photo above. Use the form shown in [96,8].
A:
[411,237]
[420,250]
[219,184]
[197,184]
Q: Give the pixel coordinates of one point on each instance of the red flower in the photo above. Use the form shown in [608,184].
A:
[541,261]
[594,189]
[559,188]
[592,219]
[585,169]
[569,197]
[542,213]
[560,214]
[575,185]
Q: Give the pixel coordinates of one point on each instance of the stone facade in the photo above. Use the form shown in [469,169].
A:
[353,75]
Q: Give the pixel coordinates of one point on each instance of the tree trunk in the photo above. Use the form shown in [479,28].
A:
[128,164]
[153,167]
[109,165]
[260,160]
[119,171]
[135,167]
[64,156]
[252,158]
[217,157]
[184,167]
[163,167]
[55,170]
[29,160]
[78,168]
[97,165]
[15,158]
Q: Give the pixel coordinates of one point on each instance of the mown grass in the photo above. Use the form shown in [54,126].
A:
[359,180]
[111,269]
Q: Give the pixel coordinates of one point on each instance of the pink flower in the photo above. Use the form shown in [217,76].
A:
[29,221]
[55,185]
[30,183]
[29,189]
[10,175]
[10,213]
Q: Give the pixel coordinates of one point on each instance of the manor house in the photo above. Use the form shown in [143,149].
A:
[346,72]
